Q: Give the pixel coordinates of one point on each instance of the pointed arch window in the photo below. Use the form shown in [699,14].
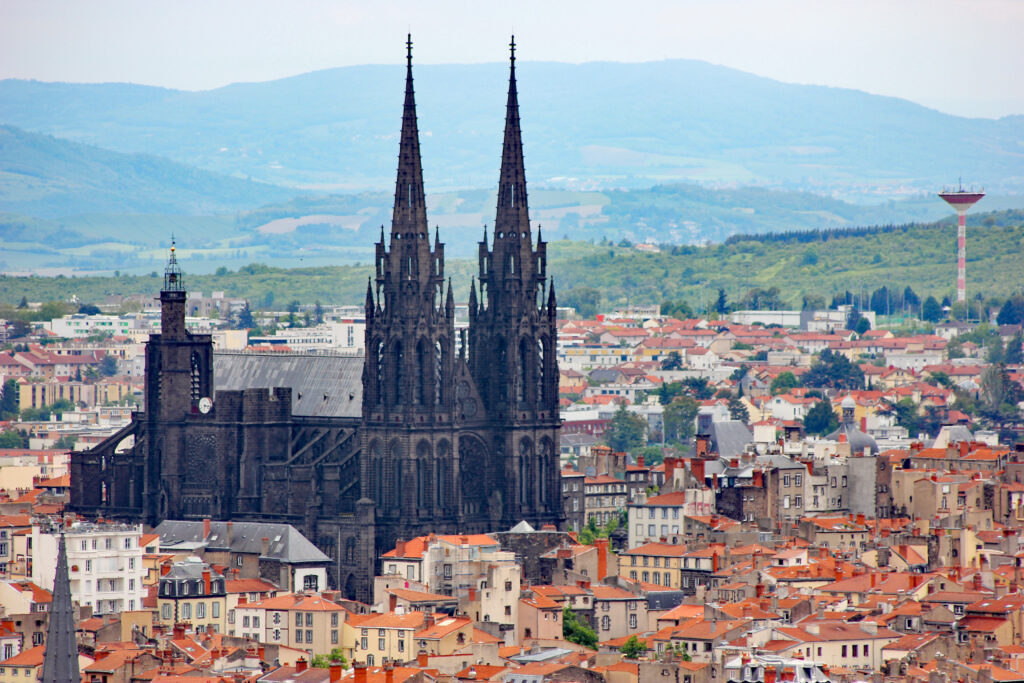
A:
[542,395]
[379,370]
[523,386]
[197,378]
[398,357]
[439,365]
[420,392]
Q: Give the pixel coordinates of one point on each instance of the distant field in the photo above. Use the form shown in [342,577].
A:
[921,256]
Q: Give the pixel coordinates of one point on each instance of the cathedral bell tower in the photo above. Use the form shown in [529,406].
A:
[409,371]
[513,335]
[179,384]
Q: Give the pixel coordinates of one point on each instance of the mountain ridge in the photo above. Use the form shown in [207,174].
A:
[595,124]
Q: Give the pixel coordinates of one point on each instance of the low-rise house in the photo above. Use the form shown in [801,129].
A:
[307,622]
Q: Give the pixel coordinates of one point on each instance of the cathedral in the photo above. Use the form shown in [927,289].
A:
[424,433]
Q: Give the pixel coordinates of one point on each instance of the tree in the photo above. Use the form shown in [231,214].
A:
[931,311]
[863,325]
[906,413]
[673,361]
[108,366]
[65,443]
[954,349]
[318,312]
[698,386]
[245,321]
[89,309]
[626,431]
[784,382]
[1012,311]
[834,370]
[337,656]
[633,648]
[584,299]
[576,631]
[11,439]
[23,303]
[994,350]
[821,419]
[722,302]
[679,417]
[9,401]
[738,410]
[1014,352]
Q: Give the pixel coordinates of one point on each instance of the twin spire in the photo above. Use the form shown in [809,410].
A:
[410,213]
[409,216]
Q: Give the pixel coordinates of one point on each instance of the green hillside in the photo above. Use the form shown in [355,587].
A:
[50,178]
[798,264]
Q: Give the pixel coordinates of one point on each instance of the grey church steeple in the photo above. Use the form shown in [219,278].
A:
[60,660]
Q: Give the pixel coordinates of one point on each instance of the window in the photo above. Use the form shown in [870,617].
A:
[88,565]
[127,543]
[632,574]
[832,482]
[245,622]
[380,644]
[85,546]
[186,610]
[200,610]
[231,616]
[606,623]
[131,563]
[131,584]
[854,650]
[298,619]
[650,529]
[108,543]
[310,582]
[447,571]
[309,618]
[277,634]
[165,611]
[844,651]
[362,643]
[255,622]
[401,645]
[668,579]
[215,610]
[844,480]
[798,480]
[334,638]
[785,480]
[277,618]
[334,620]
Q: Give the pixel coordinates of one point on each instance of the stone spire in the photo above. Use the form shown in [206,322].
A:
[410,212]
[60,661]
[513,213]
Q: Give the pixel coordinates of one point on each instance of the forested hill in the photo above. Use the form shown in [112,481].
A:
[919,255]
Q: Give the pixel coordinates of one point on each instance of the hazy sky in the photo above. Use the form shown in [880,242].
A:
[960,56]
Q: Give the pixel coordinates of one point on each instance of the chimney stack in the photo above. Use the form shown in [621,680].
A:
[300,665]
[359,673]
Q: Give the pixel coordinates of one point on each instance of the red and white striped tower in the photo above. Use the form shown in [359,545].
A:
[961,200]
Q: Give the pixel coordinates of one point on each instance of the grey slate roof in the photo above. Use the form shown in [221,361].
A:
[286,543]
[322,386]
[730,437]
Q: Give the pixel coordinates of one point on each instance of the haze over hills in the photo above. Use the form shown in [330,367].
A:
[589,126]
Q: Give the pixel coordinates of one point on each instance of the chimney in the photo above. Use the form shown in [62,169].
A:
[399,548]
[179,631]
[165,568]
[697,468]
[300,665]
[389,673]
[714,562]
[423,660]
[359,673]
[640,460]
[206,528]
[264,546]
[335,671]
[207,587]
[602,557]
[392,602]
[860,519]
[261,652]
[963,448]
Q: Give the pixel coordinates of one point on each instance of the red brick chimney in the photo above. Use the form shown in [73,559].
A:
[602,557]
[207,587]
[389,673]
[165,568]
[335,672]
[179,631]
[300,665]
[400,548]
[261,652]
[392,602]
[206,528]
[423,659]
[360,673]
[640,460]
[697,467]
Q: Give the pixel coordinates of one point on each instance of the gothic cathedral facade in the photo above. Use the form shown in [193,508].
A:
[427,432]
